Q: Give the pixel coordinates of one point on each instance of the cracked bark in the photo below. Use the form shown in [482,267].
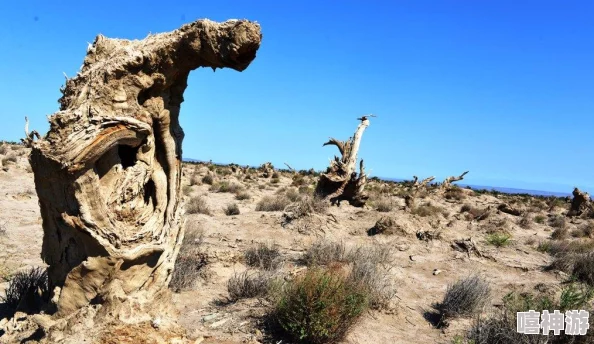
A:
[108,171]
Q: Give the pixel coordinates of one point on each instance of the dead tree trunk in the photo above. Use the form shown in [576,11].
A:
[341,181]
[108,171]
[416,188]
[447,183]
[580,204]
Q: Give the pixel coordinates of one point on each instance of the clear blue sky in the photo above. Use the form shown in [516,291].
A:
[504,89]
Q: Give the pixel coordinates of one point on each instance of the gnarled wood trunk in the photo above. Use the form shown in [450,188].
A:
[341,181]
[108,171]
[581,204]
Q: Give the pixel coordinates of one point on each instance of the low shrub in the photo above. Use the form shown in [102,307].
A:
[197,205]
[263,256]
[464,297]
[27,290]
[273,203]
[246,285]
[320,307]
[231,209]
[191,260]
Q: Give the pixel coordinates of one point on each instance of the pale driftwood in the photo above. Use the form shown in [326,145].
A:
[29,136]
[341,181]
[447,183]
[108,171]
[581,204]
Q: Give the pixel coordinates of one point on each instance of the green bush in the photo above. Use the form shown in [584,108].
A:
[320,307]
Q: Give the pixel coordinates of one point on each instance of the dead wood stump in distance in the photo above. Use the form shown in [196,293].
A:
[108,171]
[581,204]
[341,181]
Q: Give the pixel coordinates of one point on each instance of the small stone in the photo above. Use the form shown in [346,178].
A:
[436,272]
[412,258]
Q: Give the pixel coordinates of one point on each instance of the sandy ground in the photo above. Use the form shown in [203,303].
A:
[516,266]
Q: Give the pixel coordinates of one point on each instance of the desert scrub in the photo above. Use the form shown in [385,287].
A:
[540,219]
[197,205]
[384,205]
[498,239]
[263,256]
[319,307]
[187,189]
[325,252]
[558,222]
[231,209]
[273,203]
[191,260]
[226,187]
[473,213]
[28,289]
[428,209]
[369,270]
[525,222]
[586,230]
[208,179]
[305,206]
[243,195]
[293,195]
[246,285]
[465,297]
[575,257]
[560,234]
[501,326]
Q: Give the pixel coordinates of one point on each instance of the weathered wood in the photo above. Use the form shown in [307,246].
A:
[341,181]
[447,183]
[581,204]
[108,171]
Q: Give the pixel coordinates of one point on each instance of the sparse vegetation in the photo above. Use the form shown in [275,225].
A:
[208,179]
[263,256]
[243,195]
[325,252]
[428,209]
[273,203]
[26,289]
[197,205]
[501,327]
[586,230]
[191,260]
[231,209]
[498,239]
[320,307]
[246,285]
[465,297]
[384,205]
[540,219]
[226,187]
[560,234]
[558,222]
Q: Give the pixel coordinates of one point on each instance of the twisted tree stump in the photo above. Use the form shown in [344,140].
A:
[108,171]
[341,181]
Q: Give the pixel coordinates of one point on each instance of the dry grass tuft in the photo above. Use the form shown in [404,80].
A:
[27,291]
[465,297]
[264,256]
[231,209]
[273,203]
[325,252]
[191,260]
[246,285]
[197,205]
